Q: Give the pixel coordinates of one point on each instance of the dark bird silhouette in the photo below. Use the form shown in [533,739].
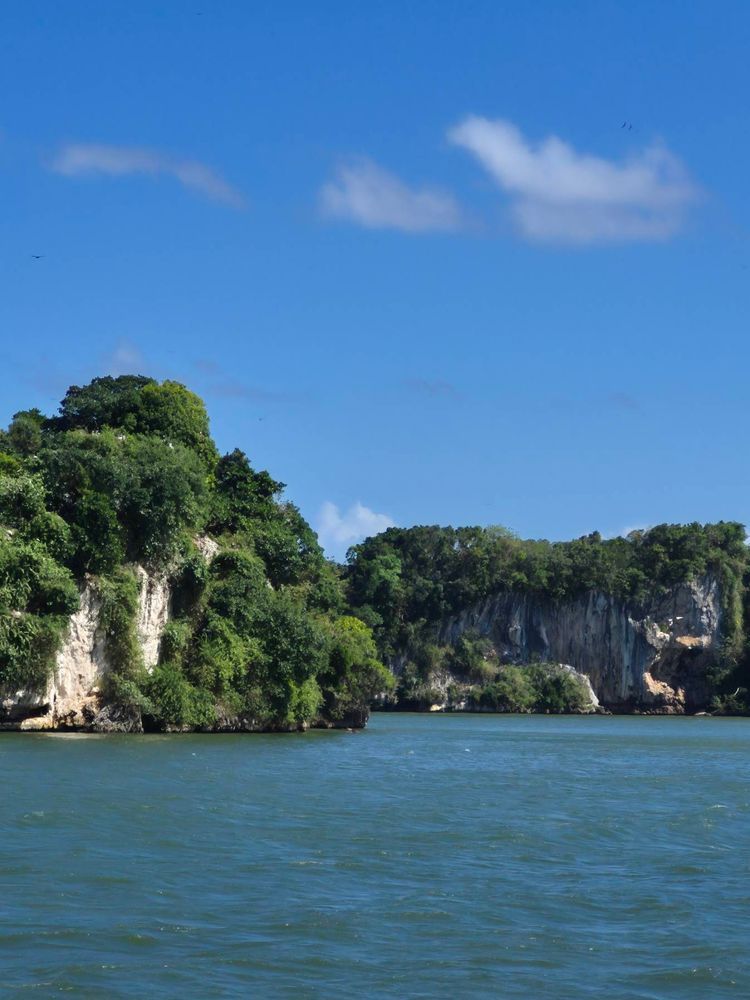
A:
[37,256]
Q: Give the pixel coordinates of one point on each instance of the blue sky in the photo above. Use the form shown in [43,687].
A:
[406,252]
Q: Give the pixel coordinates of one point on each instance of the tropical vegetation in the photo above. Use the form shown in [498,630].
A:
[404,582]
[125,475]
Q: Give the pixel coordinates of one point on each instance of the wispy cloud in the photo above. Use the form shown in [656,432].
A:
[51,378]
[125,359]
[435,388]
[586,403]
[337,529]
[559,195]
[220,382]
[91,159]
[623,401]
[233,389]
[365,193]
[207,366]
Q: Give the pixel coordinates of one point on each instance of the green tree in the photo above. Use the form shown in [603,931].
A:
[242,494]
[98,536]
[354,676]
[174,413]
[104,402]
[25,432]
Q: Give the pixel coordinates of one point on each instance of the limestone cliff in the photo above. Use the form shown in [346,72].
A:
[651,656]
[71,699]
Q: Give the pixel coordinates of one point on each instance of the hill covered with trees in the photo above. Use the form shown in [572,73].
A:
[409,584]
[127,475]
[125,485]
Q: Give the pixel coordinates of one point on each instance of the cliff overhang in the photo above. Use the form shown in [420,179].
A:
[649,656]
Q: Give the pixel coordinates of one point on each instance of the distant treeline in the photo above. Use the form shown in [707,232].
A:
[404,582]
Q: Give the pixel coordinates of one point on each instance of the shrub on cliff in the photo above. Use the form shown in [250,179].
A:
[353,675]
[540,687]
[37,596]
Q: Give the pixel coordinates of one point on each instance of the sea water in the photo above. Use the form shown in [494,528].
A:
[428,856]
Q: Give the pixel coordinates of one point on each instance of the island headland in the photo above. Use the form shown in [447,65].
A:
[149,583]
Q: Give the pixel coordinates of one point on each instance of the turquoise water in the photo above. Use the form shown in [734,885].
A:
[451,856]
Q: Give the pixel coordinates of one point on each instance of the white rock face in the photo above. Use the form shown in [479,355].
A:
[80,664]
[649,656]
[71,697]
[153,614]
[73,686]
[207,547]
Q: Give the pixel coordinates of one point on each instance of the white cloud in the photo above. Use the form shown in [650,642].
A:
[559,195]
[338,530]
[125,359]
[365,193]
[81,159]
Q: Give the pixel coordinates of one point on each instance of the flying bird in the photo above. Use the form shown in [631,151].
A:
[37,256]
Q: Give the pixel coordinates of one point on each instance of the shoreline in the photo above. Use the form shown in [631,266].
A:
[248,730]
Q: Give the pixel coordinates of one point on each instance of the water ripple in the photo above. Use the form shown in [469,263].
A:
[559,859]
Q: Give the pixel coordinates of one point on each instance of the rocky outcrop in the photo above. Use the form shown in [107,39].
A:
[153,614]
[593,703]
[72,697]
[72,689]
[648,657]
[207,547]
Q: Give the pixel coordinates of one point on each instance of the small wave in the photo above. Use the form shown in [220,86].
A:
[140,940]
[687,870]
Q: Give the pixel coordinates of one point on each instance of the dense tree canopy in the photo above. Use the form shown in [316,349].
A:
[422,574]
[139,405]
[127,473]
[405,581]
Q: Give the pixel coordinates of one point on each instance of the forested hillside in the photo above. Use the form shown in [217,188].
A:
[125,485]
[406,583]
[126,475]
